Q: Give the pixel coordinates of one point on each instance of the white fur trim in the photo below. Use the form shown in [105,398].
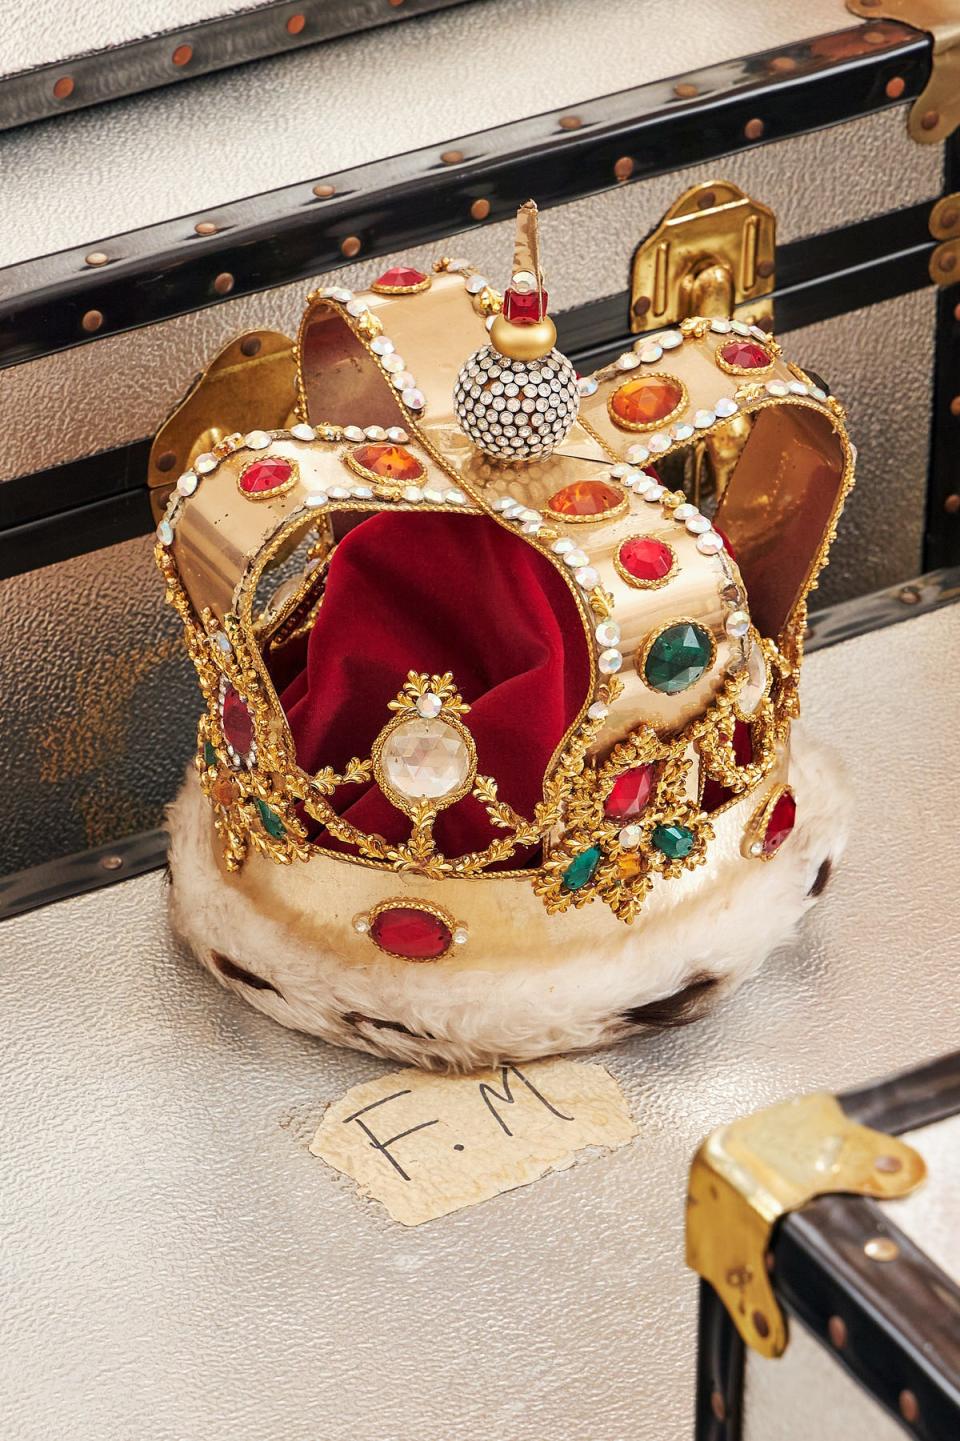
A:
[720,921]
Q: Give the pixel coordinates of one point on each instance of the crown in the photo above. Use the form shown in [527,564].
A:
[496,659]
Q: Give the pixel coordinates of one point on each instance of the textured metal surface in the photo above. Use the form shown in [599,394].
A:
[176,1264]
[807,1393]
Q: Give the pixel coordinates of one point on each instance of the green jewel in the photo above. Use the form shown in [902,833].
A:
[581,869]
[209,754]
[675,841]
[272,823]
[678,657]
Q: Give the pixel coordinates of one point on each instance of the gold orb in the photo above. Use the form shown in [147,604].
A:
[523,342]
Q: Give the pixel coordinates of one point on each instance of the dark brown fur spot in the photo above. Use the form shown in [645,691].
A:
[677,1010]
[233,972]
[356,1018]
[823,876]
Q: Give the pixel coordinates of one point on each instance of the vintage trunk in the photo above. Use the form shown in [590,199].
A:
[140,236]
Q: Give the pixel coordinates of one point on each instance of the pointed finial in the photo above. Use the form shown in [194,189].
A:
[523,330]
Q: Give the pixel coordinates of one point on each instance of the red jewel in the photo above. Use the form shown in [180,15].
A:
[400,277]
[265,475]
[726,542]
[645,559]
[631,793]
[745,354]
[237,722]
[409,932]
[524,307]
[586,497]
[782,820]
[715,793]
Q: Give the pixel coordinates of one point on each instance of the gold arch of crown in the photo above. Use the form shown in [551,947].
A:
[256,798]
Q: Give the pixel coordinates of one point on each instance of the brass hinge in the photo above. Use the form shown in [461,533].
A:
[747,1175]
[945,227]
[252,380]
[935,113]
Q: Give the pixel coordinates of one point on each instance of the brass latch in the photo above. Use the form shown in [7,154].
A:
[935,113]
[747,1175]
[712,254]
[253,376]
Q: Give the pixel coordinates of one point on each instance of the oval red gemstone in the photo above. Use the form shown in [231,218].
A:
[745,354]
[715,793]
[631,793]
[411,933]
[645,560]
[400,277]
[264,475]
[237,722]
[782,820]
[392,462]
[586,497]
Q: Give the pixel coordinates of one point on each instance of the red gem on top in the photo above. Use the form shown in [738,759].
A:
[400,277]
[264,475]
[414,934]
[524,307]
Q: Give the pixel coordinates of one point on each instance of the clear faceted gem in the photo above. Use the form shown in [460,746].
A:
[609,661]
[303,432]
[630,837]
[678,657]
[408,931]
[165,533]
[755,683]
[598,711]
[737,624]
[425,759]
[187,483]
[429,705]
[258,440]
[608,633]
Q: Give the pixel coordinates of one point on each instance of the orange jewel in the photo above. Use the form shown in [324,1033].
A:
[646,400]
[387,462]
[586,498]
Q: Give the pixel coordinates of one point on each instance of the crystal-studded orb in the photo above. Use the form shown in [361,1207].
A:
[411,933]
[516,409]
[677,657]
[425,759]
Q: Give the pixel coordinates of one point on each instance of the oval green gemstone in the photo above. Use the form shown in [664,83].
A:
[209,754]
[272,823]
[675,841]
[678,657]
[581,869]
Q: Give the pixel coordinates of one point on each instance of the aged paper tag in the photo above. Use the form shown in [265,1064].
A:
[425,1145]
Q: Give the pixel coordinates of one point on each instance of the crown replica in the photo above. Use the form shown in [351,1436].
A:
[503,765]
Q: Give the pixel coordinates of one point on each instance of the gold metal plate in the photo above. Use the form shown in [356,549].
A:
[935,113]
[251,381]
[712,254]
[747,1175]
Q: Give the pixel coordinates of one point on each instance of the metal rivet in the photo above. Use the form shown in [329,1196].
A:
[947,262]
[949,218]
[166,461]
[837,1331]
[111,863]
[895,87]
[323,192]
[930,120]
[765,268]
[718,1405]
[63,88]
[760,1324]
[889,1165]
[909,1406]
[685,90]
[706,198]
[874,37]
[92,321]
[754,128]
[452,157]
[641,305]
[952,504]
[250,345]
[182,55]
[350,247]
[955,405]
[569,122]
[295,24]
[396,3]
[205,227]
[907,595]
[97,257]
[623,168]
[956,312]
[783,64]
[881,1248]
[480,209]
[223,283]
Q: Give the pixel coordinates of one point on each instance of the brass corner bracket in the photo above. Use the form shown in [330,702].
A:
[935,114]
[711,254]
[250,381]
[747,1175]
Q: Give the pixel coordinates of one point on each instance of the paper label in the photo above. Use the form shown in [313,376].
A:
[425,1145]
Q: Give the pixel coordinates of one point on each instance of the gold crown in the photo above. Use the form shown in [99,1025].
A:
[686,495]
